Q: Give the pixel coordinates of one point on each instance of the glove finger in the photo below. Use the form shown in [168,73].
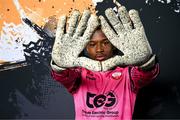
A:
[61,26]
[59,32]
[135,19]
[83,23]
[55,51]
[72,22]
[106,28]
[114,20]
[92,24]
[124,16]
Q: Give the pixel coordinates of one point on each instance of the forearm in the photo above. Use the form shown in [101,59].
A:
[141,76]
[69,77]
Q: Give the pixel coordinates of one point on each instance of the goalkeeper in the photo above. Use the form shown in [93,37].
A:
[103,63]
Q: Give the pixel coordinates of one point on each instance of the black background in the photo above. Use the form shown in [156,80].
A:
[30,92]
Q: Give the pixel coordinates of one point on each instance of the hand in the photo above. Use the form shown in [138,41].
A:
[129,37]
[69,45]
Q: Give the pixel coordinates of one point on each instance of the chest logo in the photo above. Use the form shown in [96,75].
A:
[102,100]
[116,75]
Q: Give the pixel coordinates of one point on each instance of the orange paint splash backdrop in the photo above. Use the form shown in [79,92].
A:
[39,10]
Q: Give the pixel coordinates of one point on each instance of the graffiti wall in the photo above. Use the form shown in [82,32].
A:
[27,32]
[15,32]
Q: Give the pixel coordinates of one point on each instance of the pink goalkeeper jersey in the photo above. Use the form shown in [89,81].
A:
[106,95]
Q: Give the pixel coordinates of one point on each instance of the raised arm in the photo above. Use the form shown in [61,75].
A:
[69,78]
[144,74]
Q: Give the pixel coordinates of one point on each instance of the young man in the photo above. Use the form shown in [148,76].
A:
[99,48]
[104,85]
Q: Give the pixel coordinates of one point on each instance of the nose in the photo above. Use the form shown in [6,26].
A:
[99,48]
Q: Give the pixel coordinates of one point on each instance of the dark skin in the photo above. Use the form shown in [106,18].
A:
[99,48]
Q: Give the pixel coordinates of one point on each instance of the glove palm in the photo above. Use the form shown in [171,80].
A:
[131,41]
[69,45]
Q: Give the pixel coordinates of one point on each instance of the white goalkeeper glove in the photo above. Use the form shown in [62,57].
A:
[129,37]
[69,45]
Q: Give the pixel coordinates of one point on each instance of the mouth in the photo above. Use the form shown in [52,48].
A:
[100,57]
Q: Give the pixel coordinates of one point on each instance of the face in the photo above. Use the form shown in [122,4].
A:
[99,48]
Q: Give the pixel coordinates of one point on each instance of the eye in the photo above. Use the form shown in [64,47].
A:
[106,42]
[91,44]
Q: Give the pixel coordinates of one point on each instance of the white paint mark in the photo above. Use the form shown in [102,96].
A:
[177,11]
[19,8]
[115,9]
[12,39]
[96,1]
[168,1]
[161,1]
[34,13]
[175,7]
[146,1]
[14,36]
